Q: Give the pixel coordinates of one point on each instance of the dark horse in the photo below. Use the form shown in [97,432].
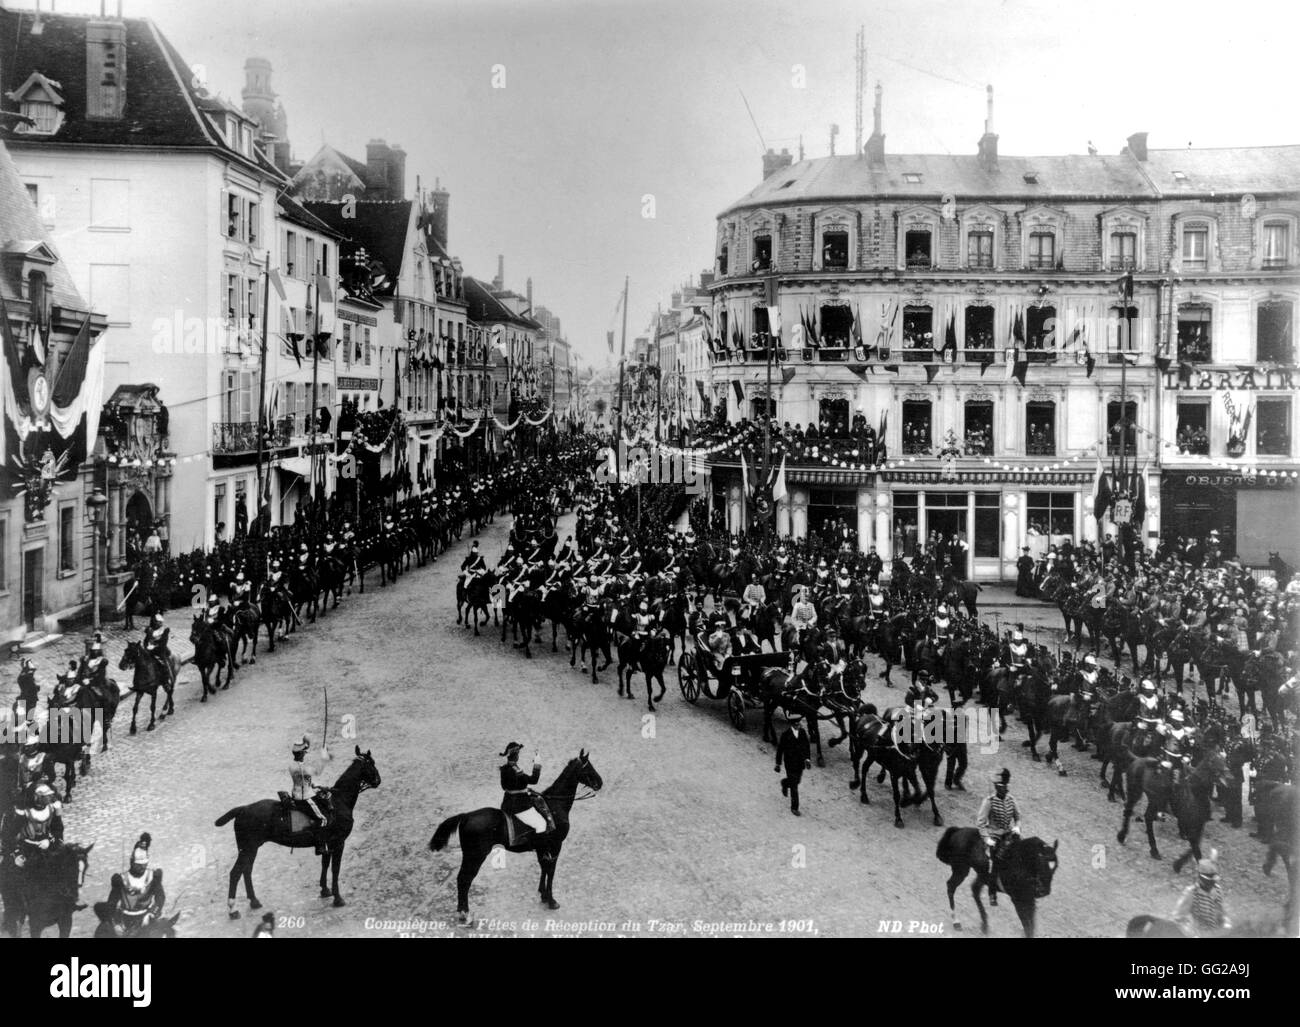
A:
[268,821]
[1189,801]
[44,892]
[213,649]
[1025,869]
[148,678]
[484,829]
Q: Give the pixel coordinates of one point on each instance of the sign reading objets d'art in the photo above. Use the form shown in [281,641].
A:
[1282,480]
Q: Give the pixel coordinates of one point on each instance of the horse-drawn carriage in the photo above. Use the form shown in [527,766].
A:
[736,679]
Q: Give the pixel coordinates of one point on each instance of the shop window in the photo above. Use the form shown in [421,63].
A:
[1273,327]
[918,334]
[916,426]
[1273,427]
[987,527]
[1193,433]
[1050,516]
[979,249]
[1194,338]
[906,524]
[979,333]
[916,244]
[1040,429]
[762,253]
[1121,436]
[1040,333]
[836,332]
[835,250]
[826,507]
[979,428]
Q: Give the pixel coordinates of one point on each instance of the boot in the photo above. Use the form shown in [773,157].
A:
[322,842]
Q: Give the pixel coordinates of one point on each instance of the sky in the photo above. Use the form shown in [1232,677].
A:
[608,104]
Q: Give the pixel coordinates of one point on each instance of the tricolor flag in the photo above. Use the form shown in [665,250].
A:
[778,488]
[1101,491]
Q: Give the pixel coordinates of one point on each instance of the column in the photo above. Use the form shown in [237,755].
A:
[1010,534]
[783,516]
[884,529]
[970,535]
[799,513]
[864,518]
[1078,516]
[922,532]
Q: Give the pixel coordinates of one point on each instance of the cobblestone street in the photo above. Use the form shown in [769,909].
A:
[690,825]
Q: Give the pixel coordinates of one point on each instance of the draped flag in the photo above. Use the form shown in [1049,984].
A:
[609,338]
[738,389]
[744,474]
[1101,491]
[948,351]
[779,491]
[859,347]
[882,450]
[1139,494]
[931,370]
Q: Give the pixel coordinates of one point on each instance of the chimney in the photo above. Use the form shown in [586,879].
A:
[499,282]
[397,173]
[105,68]
[988,144]
[706,279]
[1137,145]
[441,201]
[774,162]
[876,144]
[529,293]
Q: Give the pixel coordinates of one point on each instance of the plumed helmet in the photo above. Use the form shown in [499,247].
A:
[140,854]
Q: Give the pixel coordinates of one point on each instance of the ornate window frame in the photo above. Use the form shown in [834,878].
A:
[1041,218]
[762,222]
[1196,219]
[835,219]
[981,218]
[1285,215]
[916,218]
[1124,219]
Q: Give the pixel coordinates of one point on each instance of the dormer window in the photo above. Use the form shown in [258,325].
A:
[912,177]
[1180,176]
[40,100]
[1031,177]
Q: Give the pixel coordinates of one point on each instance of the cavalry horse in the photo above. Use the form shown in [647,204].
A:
[1188,800]
[149,676]
[475,598]
[482,830]
[652,656]
[874,739]
[44,891]
[1024,872]
[269,821]
[214,648]
[247,624]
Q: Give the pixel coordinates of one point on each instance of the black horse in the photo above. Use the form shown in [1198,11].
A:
[268,821]
[149,676]
[214,648]
[1188,800]
[484,829]
[475,598]
[1024,871]
[44,891]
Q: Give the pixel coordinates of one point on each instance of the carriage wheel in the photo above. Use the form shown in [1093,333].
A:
[686,678]
[736,709]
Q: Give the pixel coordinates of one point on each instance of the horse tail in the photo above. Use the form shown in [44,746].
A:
[944,849]
[228,816]
[444,832]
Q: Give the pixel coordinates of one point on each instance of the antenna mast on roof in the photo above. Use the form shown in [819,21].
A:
[859,88]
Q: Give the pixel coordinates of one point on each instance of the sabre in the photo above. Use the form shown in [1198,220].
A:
[324,735]
[129,594]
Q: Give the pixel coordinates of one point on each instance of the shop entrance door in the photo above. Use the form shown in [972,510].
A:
[946,524]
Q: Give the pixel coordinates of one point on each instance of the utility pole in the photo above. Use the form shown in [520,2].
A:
[659,380]
[315,373]
[261,389]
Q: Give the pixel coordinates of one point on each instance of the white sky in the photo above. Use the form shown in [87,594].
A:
[608,100]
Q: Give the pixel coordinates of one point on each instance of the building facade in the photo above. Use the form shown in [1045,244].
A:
[968,311]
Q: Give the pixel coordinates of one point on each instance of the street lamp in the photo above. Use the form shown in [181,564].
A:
[95,507]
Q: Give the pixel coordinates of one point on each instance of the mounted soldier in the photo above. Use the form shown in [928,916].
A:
[803,612]
[1176,743]
[519,802]
[38,825]
[135,898]
[998,821]
[310,797]
[921,692]
[241,591]
[1147,722]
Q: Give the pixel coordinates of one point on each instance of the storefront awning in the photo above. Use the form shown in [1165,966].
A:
[1030,478]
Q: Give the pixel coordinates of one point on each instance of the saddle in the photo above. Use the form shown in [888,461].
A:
[520,834]
[297,814]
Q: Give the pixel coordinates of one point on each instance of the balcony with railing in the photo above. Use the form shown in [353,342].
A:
[233,437]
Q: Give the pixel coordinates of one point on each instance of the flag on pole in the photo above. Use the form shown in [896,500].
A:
[744,474]
[948,351]
[778,489]
[1101,491]
[278,285]
[1139,493]
[738,389]
[609,338]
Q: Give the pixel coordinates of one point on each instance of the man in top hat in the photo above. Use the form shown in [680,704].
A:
[874,565]
[1201,910]
[136,898]
[795,752]
[519,800]
[1025,574]
[311,797]
[998,821]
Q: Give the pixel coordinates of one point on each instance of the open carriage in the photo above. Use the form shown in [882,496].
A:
[735,679]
